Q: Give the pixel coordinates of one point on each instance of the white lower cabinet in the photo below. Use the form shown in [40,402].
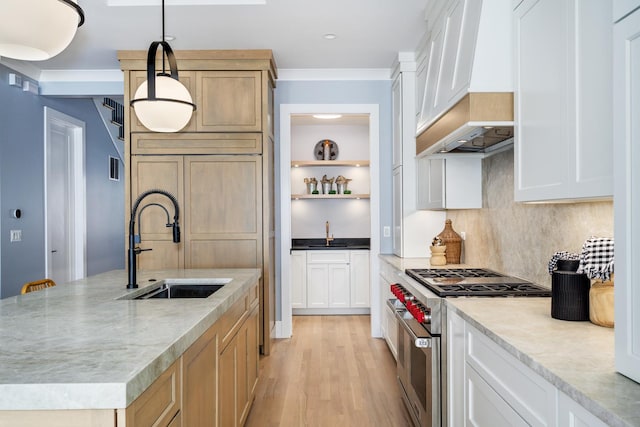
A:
[570,413]
[499,390]
[486,407]
[298,279]
[330,279]
[359,282]
[389,323]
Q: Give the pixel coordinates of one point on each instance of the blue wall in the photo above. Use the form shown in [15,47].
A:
[22,186]
[343,92]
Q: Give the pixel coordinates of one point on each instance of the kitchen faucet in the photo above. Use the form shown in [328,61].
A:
[133,239]
[329,239]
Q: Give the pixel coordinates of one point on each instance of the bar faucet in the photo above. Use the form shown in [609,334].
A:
[329,239]
[133,239]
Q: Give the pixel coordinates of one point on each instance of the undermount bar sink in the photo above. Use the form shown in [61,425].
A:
[178,289]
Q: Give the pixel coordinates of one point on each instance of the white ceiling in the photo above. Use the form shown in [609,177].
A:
[370,33]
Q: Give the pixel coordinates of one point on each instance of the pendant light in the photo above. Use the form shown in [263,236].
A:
[35,30]
[162,103]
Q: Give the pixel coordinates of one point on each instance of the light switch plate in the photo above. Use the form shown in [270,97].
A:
[386,231]
[16,235]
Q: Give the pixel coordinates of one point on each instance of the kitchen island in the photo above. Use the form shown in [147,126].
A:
[78,347]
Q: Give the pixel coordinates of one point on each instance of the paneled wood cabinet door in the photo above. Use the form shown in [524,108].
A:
[299,279]
[227,380]
[199,381]
[187,78]
[165,173]
[224,223]
[229,101]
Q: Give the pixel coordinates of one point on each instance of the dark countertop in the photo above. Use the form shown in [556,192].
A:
[336,244]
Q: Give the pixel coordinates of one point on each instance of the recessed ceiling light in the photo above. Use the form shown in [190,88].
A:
[169,38]
[327,116]
[330,36]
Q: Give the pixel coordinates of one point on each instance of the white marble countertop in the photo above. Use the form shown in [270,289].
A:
[75,346]
[576,357]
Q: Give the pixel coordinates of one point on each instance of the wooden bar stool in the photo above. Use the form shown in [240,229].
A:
[37,285]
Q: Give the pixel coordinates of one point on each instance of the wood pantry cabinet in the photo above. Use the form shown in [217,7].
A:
[219,167]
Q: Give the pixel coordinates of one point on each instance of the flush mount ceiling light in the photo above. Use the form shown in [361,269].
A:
[35,30]
[330,36]
[327,116]
[168,105]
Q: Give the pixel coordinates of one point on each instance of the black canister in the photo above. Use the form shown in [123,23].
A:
[569,292]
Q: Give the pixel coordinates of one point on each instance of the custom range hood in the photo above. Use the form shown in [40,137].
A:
[481,122]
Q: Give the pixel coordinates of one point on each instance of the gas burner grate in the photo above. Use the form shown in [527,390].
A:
[454,282]
[432,273]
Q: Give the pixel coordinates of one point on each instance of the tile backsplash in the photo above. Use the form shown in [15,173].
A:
[518,238]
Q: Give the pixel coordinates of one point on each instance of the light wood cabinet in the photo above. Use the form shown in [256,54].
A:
[223,226]
[160,403]
[229,101]
[626,111]
[226,202]
[563,121]
[199,380]
[238,373]
[150,172]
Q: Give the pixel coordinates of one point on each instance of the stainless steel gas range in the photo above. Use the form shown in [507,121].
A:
[421,318]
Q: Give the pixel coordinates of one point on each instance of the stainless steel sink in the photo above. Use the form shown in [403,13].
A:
[178,289]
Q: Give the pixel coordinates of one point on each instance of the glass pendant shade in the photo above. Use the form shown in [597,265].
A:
[161,102]
[36,30]
[164,115]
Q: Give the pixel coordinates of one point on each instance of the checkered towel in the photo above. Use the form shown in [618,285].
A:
[596,259]
[561,255]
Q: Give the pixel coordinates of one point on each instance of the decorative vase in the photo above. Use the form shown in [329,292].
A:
[452,241]
[569,292]
[438,255]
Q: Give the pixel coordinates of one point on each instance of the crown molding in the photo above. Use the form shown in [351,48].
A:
[334,74]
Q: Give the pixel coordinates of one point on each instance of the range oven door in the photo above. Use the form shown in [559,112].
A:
[419,370]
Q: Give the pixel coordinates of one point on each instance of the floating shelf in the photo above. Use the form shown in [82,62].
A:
[324,163]
[330,196]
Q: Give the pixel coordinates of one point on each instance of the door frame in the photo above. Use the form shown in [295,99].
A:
[76,129]
[284,327]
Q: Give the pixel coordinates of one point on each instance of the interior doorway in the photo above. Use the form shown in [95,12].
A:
[287,113]
[65,201]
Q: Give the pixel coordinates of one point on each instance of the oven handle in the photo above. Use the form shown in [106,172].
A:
[422,341]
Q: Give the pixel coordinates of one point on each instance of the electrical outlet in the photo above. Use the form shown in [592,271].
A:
[16,235]
[463,235]
[386,231]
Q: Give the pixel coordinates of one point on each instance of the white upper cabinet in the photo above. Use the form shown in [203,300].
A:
[450,182]
[563,122]
[622,8]
[467,48]
[626,110]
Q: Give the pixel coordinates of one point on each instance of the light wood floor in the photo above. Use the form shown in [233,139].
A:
[330,373]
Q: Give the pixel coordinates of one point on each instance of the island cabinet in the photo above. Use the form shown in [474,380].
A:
[220,370]
[219,167]
[563,85]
